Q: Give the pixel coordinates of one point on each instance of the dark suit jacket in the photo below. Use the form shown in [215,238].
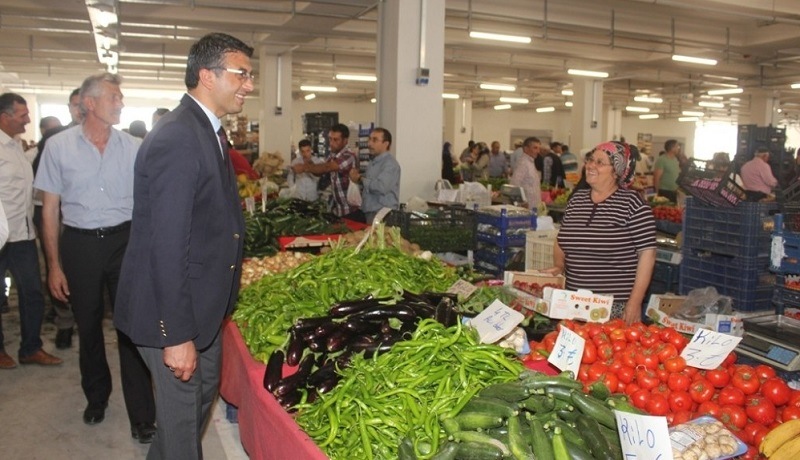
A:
[180,275]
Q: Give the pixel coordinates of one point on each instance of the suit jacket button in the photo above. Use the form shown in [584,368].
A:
[235,236]
[233,267]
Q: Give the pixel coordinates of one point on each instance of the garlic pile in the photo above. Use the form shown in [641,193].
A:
[255,268]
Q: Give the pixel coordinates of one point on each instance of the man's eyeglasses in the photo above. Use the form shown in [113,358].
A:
[243,74]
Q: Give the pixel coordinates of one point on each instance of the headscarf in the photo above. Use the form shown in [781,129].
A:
[623,159]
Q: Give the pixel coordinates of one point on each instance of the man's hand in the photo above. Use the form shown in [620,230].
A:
[355,176]
[57,283]
[181,360]
[299,168]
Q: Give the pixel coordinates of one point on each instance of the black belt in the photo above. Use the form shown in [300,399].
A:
[99,232]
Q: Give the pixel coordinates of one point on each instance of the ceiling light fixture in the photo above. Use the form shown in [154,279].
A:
[795,85]
[498,87]
[712,105]
[309,96]
[649,116]
[721,92]
[502,107]
[353,77]
[319,89]
[633,108]
[450,96]
[514,100]
[568,104]
[373,100]
[587,73]
[688,119]
[546,109]
[652,100]
[567,92]
[693,60]
[690,113]
[500,37]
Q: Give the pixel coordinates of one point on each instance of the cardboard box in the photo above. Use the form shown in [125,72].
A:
[554,301]
[530,298]
[662,309]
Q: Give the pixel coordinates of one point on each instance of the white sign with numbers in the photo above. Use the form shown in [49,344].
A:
[568,351]
[496,321]
[643,437]
[708,349]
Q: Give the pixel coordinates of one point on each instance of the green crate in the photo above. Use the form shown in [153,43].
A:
[449,229]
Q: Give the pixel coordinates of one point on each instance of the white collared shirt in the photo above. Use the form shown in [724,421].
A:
[16,193]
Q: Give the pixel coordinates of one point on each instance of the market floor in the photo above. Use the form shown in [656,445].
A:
[41,409]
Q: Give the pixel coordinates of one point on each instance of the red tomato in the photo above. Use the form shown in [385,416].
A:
[764,372]
[615,325]
[605,351]
[596,370]
[589,353]
[614,365]
[675,364]
[681,417]
[753,433]
[776,390]
[661,389]
[760,410]
[550,340]
[745,380]
[751,454]
[646,379]
[729,360]
[709,408]
[631,388]
[611,381]
[600,338]
[701,391]
[666,351]
[619,344]
[648,339]
[662,374]
[733,416]
[617,334]
[633,333]
[583,373]
[628,357]
[790,413]
[794,399]
[678,382]
[647,359]
[626,374]
[731,395]
[657,405]
[680,401]
[677,340]
[718,377]
[640,398]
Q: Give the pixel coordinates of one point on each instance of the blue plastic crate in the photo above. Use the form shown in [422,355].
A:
[786,246]
[734,231]
[489,268]
[500,258]
[502,239]
[746,280]
[504,222]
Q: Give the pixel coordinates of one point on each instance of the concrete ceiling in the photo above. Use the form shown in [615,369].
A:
[49,45]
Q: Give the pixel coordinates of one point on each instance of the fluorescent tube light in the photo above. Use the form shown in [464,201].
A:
[498,87]
[373,100]
[309,96]
[319,89]
[546,109]
[795,85]
[694,60]
[587,73]
[633,108]
[648,116]
[568,104]
[500,37]
[688,119]
[567,92]
[652,100]
[713,105]
[344,76]
[450,96]
[720,92]
[502,107]
[690,113]
[514,100]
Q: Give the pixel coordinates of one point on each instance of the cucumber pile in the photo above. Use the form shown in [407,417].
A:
[536,417]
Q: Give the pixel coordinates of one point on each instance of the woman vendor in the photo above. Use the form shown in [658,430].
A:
[607,242]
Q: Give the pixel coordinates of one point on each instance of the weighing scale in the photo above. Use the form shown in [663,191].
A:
[772,339]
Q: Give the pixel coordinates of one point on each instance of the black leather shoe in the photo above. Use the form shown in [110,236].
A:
[95,413]
[144,432]
[64,338]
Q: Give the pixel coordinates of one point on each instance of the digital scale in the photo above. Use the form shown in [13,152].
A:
[772,339]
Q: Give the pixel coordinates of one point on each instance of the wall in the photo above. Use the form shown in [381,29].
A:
[632,126]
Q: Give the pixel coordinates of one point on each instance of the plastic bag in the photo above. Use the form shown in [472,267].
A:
[701,301]
[353,194]
[704,437]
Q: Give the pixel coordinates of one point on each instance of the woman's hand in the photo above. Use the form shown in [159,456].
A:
[553,271]
[632,314]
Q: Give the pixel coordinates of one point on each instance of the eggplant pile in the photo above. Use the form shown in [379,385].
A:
[321,346]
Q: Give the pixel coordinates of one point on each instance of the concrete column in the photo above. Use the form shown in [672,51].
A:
[411,36]
[458,122]
[763,109]
[275,86]
[612,124]
[587,114]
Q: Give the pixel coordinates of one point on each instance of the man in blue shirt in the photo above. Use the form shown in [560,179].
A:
[381,181]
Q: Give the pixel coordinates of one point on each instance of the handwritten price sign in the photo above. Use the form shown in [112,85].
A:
[643,437]
[496,321]
[708,349]
[463,289]
[568,351]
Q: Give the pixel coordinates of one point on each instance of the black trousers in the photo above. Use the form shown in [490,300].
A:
[92,263]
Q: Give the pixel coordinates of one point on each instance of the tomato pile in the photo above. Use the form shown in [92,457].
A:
[535,289]
[644,363]
[670,213]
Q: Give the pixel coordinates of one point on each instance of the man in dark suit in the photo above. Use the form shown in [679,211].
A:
[180,274]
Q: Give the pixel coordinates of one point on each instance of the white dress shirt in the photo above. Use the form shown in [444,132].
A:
[16,193]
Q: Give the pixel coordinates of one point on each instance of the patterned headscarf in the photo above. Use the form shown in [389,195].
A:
[623,159]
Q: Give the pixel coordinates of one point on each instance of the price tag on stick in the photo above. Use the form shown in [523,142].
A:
[708,349]
[463,289]
[643,437]
[568,351]
[496,321]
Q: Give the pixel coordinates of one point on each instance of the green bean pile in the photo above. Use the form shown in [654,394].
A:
[268,307]
[405,392]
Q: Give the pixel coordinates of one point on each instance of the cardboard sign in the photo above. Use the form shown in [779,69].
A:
[708,349]
[250,204]
[496,321]
[643,437]
[463,289]
[583,305]
[568,351]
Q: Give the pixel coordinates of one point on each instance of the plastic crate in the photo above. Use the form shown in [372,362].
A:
[665,279]
[500,259]
[502,230]
[742,231]
[449,229]
[718,188]
[539,246]
[489,268]
[791,217]
[746,280]
[786,249]
[505,222]
[502,239]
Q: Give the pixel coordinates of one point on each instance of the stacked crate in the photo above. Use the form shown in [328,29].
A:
[501,239]
[729,248]
[785,258]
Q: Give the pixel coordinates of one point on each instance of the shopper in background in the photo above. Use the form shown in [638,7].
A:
[337,166]
[380,183]
[137,128]
[305,184]
[666,171]
[550,167]
[467,159]
[525,174]
[180,275]
[3,226]
[759,183]
[481,164]
[157,114]
[498,165]
[606,243]
[568,159]
[20,254]
[86,174]
[448,163]
[75,108]
[515,155]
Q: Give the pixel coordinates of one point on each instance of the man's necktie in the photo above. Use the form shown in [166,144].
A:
[223,140]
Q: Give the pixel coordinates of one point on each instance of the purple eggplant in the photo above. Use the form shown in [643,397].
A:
[337,340]
[342,309]
[401,312]
[309,324]
[295,350]
[274,370]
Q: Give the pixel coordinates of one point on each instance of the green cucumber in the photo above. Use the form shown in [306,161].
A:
[474,436]
[569,431]
[560,451]
[517,440]
[538,403]
[560,392]
[501,434]
[624,406]
[450,425]
[542,448]
[447,452]
[612,438]
[511,391]
[478,420]
[568,415]
[469,450]
[577,452]
[595,409]
[597,444]
[599,390]
[405,450]
[540,382]
[491,406]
